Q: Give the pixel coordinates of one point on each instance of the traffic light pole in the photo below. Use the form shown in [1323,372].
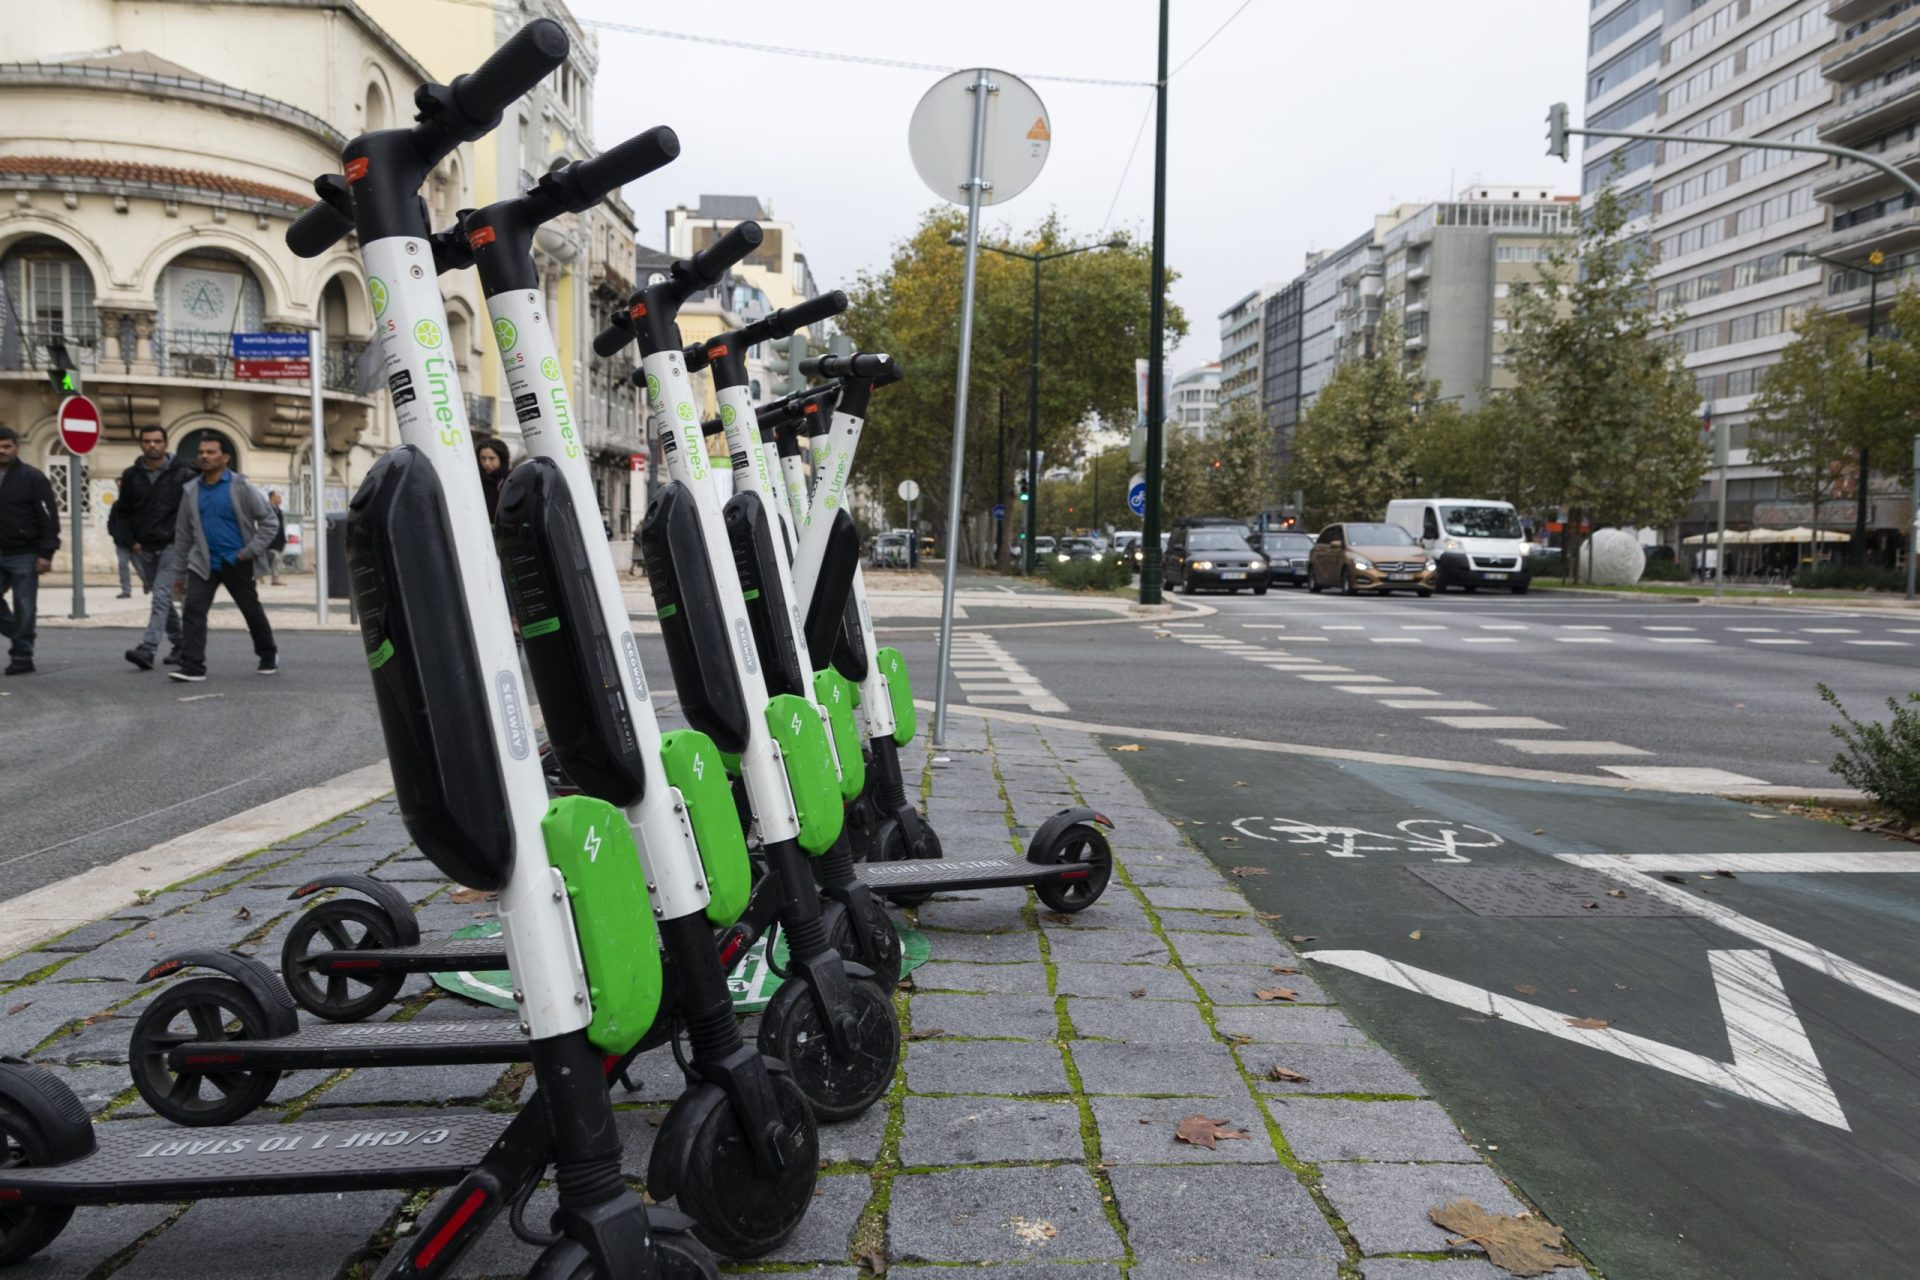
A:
[76,498]
[1033,424]
[1156,336]
[1558,131]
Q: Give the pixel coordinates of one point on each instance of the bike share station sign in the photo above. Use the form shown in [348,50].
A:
[1688,1027]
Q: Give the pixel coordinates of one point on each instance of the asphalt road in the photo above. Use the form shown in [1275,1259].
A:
[1706,1076]
[1600,686]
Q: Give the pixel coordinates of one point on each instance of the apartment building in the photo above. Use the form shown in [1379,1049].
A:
[1624,53]
[1280,335]
[1195,396]
[1240,334]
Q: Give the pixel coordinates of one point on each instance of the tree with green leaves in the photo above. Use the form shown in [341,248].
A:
[1807,419]
[1227,471]
[1097,497]
[1492,451]
[1889,421]
[1351,449]
[1615,408]
[1094,311]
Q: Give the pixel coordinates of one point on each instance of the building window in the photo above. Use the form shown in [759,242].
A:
[1619,69]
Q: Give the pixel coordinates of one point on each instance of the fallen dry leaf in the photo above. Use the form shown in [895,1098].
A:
[1670,879]
[1526,988]
[1276,993]
[1284,968]
[1237,1041]
[1726,875]
[1129,746]
[1269,915]
[1199,1131]
[1278,1072]
[18,1007]
[1616,893]
[1138,992]
[464,896]
[243,913]
[1056,917]
[1033,1233]
[1588,1024]
[928,1034]
[1229,839]
[874,1261]
[1415,935]
[1539,831]
[1591,905]
[1306,937]
[1228,915]
[1238,783]
[1518,1246]
[1246,871]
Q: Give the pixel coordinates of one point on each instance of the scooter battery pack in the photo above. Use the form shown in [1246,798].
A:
[692,622]
[752,530]
[427,679]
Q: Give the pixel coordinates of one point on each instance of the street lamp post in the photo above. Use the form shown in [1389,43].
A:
[1033,373]
[1873,269]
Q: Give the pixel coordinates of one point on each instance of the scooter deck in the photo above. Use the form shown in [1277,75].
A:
[426,957]
[362,1044]
[910,875]
[140,1163]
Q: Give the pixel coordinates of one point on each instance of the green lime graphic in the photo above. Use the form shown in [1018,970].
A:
[505,334]
[686,411]
[377,293]
[551,368]
[653,389]
[427,333]
[727,415]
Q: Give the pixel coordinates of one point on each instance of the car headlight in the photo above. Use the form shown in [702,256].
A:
[1431,566]
[1526,549]
[1257,564]
[1453,544]
[1200,564]
[1064,558]
[1096,557]
[1361,562]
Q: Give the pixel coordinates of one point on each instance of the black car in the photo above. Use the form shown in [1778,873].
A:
[1287,558]
[1212,556]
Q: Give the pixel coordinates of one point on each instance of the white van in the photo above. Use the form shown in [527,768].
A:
[1476,543]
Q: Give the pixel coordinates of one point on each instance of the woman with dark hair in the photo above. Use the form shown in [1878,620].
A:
[496,460]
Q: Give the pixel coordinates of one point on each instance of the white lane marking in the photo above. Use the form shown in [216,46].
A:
[1755,630]
[1584,639]
[1904,631]
[1493,722]
[1831,631]
[1176,624]
[1358,688]
[1560,747]
[1834,966]
[1306,640]
[1779,642]
[1503,626]
[1585,626]
[990,676]
[1681,776]
[1488,640]
[1423,626]
[1651,627]
[1350,679]
[1264,626]
[1679,640]
[1407,691]
[1854,862]
[1320,666]
[1773,1060]
[1328,626]
[1895,644]
[1418,640]
[1428,704]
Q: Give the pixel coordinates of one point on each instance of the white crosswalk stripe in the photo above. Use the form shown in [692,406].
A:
[990,676]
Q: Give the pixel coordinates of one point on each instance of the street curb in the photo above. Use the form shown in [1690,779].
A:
[1756,602]
[51,910]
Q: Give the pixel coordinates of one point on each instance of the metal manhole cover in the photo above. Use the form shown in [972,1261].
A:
[1564,891]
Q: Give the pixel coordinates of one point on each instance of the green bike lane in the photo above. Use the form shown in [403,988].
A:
[1695,1074]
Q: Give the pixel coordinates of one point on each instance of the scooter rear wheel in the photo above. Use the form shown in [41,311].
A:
[736,1209]
[199,1011]
[344,924]
[675,1258]
[1082,843]
[34,1132]
[872,941]
[793,1031]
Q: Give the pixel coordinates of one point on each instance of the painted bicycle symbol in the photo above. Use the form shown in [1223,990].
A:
[1414,835]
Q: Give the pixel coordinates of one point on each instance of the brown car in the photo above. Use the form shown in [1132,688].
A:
[1369,557]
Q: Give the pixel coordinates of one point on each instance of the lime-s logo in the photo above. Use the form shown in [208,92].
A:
[653,389]
[686,411]
[551,368]
[427,333]
[592,846]
[505,334]
[377,294]
[727,415]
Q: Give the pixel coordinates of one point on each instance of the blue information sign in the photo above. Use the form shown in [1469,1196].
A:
[999,511]
[1137,497]
[270,346]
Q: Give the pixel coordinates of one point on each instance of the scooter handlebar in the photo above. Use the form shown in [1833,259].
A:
[527,58]
[798,316]
[705,268]
[323,224]
[860,365]
[587,182]
[612,339]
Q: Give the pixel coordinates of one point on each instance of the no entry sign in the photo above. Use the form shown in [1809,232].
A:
[79,423]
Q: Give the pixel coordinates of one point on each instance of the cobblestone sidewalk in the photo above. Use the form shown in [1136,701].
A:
[1049,1063]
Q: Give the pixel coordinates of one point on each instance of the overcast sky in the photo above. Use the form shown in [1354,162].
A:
[1286,134]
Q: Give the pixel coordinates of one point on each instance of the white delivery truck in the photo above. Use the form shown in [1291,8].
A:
[1476,542]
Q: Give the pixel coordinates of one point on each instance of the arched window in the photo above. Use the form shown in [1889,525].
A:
[58,461]
[49,293]
[377,115]
[347,362]
[205,296]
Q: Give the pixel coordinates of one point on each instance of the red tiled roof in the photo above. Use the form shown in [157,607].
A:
[126,171]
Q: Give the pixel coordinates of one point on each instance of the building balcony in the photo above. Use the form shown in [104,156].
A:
[1845,123]
[1419,270]
[1874,48]
[1417,306]
[1895,231]
[1846,11]
[1853,181]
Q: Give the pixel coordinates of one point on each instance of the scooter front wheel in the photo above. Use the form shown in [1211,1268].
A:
[41,1123]
[674,1257]
[199,1011]
[1080,843]
[737,1209]
[839,1088]
[871,941]
[344,924]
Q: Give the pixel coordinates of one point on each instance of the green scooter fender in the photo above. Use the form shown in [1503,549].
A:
[695,766]
[900,690]
[589,843]
[835,692]
[796,728]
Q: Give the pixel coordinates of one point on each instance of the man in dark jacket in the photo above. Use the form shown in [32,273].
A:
[223,528]
[143,519]
[29,536]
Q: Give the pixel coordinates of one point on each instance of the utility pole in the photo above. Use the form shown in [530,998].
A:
[1156,335]
[1000,489]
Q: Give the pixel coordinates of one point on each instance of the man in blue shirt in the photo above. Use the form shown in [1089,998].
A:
[223,527]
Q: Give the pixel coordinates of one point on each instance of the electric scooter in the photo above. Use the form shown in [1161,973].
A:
[473,798]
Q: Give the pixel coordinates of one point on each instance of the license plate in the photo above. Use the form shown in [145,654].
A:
[1283,564]
[1399,577]
[1496,577]
[1231,575]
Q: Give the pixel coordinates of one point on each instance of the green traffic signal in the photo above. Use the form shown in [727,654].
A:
[1557,130]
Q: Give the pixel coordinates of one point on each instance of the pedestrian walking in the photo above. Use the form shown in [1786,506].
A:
[123,554]
[496,460]
[223,529]
[29,537]
[144,518]
[278,546]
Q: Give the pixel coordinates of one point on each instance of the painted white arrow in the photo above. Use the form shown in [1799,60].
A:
[1773,1061]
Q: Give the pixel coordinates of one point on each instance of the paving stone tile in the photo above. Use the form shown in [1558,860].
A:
[981,913]
[1337,1129]
[87,936]
[18,967]
[310,1237]
[826,1233]
[430,1085]
[1231,984]
[1115,946]
[92,1237]
[1204,1070]
[1212,948]
[1385,1205]
[1115,909]
[1236,1218]
[1329,1069]
[638,1127]
[987,1017]
[858,1139]
[1287,1024]
[1099,978]
[1186,871]
[1138,1021]
[1000,1215]
[1013,944]
[1140,1131]
[988,1130]
[1269,1269]
[31,1013]
[95,1086]
[1179,924]
[985,1066]
[997,979]
[1408,1269]
[1169,897]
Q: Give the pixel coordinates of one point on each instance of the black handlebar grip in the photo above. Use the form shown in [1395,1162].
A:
[612,339]
[695,357]
[317,230]
[860,365]
[590,180]
[527,58]
[801,314]
[712,262]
